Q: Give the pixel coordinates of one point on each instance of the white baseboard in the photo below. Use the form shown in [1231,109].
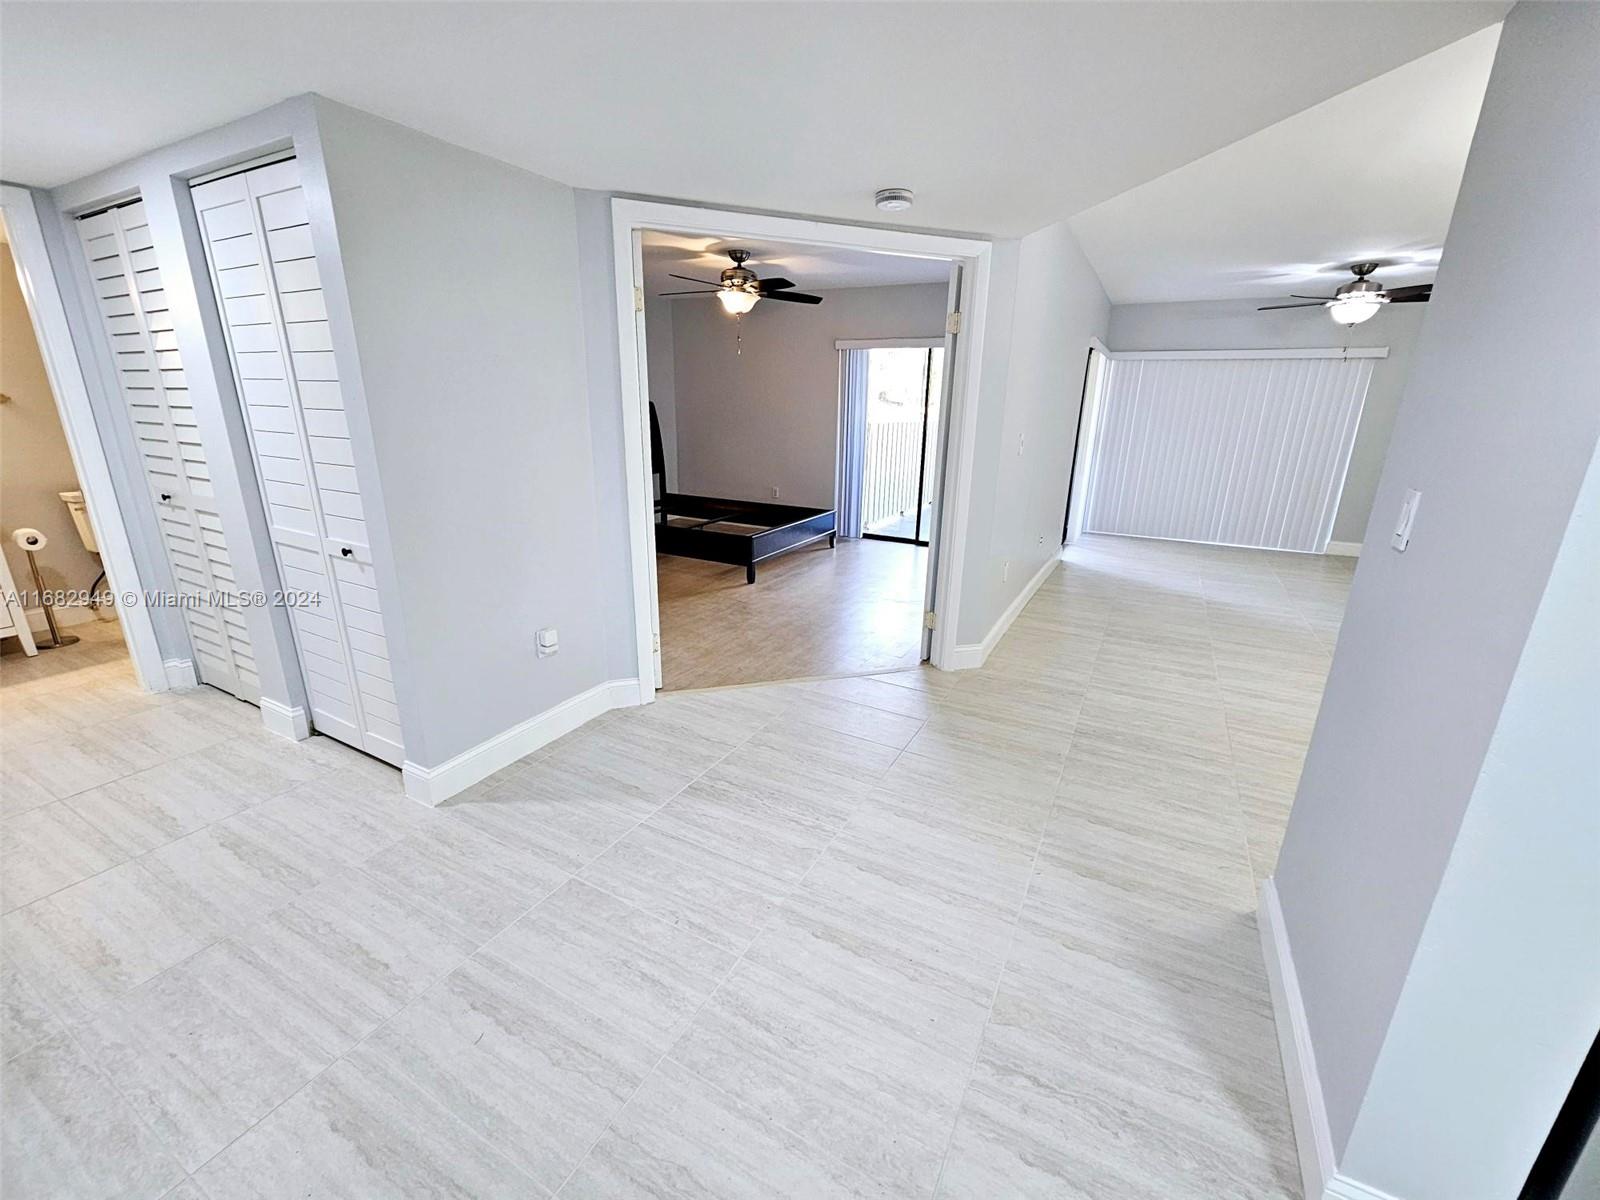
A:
[181,673]
[285,720]
[67,615]
[1312,1136]
[975,654]
[1344,549]
[1341,1187]
[435,785]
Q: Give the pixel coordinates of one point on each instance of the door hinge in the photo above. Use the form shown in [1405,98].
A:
[638,299]
[952,322]
[930,620]
[655,644]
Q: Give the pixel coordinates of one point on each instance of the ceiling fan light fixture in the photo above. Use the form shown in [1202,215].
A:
[893,199]
[737,301]
[1355,308]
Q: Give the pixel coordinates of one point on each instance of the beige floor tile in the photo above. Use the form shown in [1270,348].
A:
[66,1132]
[680,1136]
[1008,912]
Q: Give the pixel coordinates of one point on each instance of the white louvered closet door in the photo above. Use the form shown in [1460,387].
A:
[1234,451]
[133,310]
[269,292]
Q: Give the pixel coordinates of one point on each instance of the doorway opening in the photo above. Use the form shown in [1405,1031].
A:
[742,570]
[891,413]
[58,615]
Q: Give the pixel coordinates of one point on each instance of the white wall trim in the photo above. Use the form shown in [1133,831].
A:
[907,343]
[179,673]
[1344,549]
[1330,352]
[285,720]
[1342,1187]
[629,218]
[41,292]
[975,654]
[434,785]
[1312,1136]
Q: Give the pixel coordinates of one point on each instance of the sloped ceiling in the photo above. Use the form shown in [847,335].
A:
[1369,174]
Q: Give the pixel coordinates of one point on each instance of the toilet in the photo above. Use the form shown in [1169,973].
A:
[80,518]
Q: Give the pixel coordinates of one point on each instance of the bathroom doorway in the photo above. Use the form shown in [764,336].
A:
[56,616]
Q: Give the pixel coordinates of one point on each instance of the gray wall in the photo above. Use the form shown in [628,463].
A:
[463,282]
[35,463]
[1236,325]
[769,416]
[1045,304]
[1502,997]
[1498,425]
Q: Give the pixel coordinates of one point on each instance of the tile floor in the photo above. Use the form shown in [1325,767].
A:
[854,609]
[970,936]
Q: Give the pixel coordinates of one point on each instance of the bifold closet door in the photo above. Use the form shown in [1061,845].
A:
[269,292]
[1235,451]
[144,348]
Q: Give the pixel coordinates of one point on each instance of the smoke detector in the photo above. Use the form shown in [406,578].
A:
[893,199]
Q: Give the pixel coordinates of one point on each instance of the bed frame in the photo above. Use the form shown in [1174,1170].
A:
[737,532]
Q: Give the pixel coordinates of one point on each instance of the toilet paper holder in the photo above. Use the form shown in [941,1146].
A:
[29,541]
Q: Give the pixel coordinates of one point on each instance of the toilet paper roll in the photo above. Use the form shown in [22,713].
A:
[30,539]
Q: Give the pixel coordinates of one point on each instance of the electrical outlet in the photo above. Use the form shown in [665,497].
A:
[774,493]
[547,642]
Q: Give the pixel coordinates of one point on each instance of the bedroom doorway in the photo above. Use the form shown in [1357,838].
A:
[889,435]
[741,573]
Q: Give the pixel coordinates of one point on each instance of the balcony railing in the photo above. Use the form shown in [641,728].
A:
[889,477]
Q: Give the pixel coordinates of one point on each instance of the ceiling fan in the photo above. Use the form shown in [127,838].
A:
[739,289]
[1361,298]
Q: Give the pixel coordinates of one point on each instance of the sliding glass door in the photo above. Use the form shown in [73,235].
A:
[900,442]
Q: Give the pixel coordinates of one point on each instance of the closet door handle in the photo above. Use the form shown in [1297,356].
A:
[166,495]
[346,551]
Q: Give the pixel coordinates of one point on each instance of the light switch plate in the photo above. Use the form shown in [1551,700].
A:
[1401,538]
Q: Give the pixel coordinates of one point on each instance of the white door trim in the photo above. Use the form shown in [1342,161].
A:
[629,218]
[41,292]
[1162,355]
[905,343]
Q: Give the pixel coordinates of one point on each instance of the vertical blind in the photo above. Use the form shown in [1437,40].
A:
[1234,451]
[852,443]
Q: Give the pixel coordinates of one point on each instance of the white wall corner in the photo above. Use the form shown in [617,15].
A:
[974,654]
[1344,549]
[180,673]
[1312,1136]
[435,785]
[285,720]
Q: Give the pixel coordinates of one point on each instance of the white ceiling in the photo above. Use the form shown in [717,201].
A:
[813,268]
[1369,174]
[1004,117]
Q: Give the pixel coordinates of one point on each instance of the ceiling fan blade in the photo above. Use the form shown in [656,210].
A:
[1415,294]
[793,297]
[1298,296]
[1311,304]
[716,283]
[774,285]
[710,293]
